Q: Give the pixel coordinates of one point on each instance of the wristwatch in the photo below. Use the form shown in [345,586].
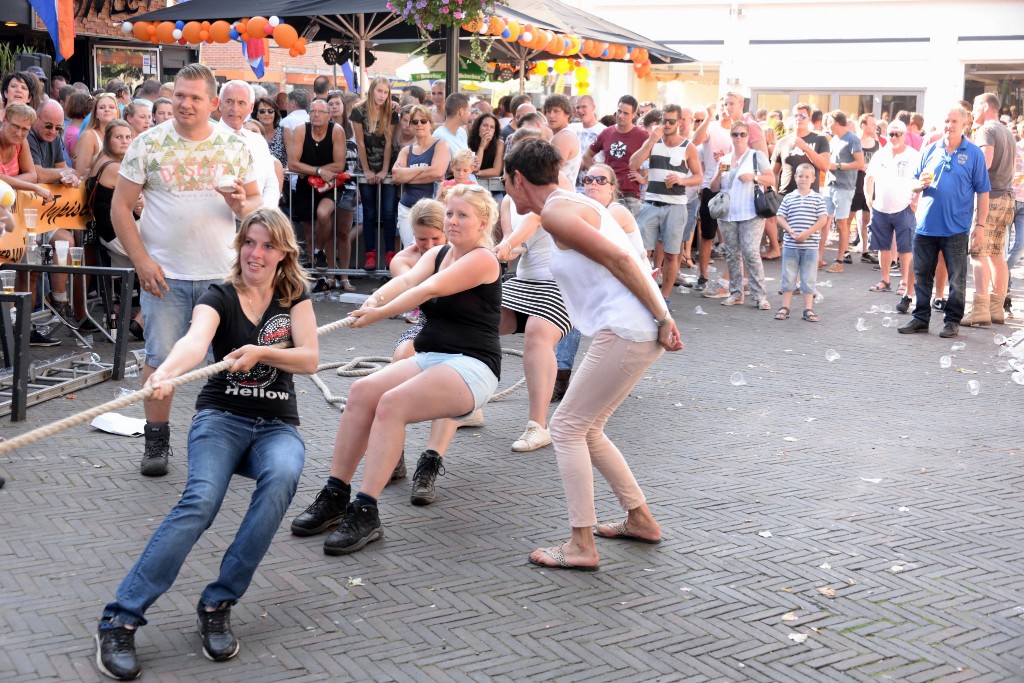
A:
[318,168]
[839,166]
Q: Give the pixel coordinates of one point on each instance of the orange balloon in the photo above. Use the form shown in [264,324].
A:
[285,35]
[255,27]
[204,36]
[165,32]
[151,29]
[220,32]
[191,32]
[205,25]
[474,25]
[244,36]
[141,30]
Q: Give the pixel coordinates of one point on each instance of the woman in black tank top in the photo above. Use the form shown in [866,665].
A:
[454,372]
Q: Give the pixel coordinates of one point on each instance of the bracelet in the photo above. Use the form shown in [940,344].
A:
[664,320]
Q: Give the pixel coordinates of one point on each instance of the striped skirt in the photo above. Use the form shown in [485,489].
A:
[540,298]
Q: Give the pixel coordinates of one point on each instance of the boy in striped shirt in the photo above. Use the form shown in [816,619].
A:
[802,215]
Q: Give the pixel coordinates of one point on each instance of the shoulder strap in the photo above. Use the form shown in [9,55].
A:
[440,257]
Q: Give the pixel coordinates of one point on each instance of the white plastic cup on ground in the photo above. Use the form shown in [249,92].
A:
[945,362]
[832,355]
[737,379]
[974,386]
[958,346]
[62,247]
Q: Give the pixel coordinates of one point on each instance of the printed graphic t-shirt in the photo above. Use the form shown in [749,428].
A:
[618,148]
[186,225]
[263,391]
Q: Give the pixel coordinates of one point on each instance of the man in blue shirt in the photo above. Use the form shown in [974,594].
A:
[951,175]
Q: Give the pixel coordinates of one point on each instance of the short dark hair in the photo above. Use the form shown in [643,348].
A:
[536,160]
[419,93]
[838,116]
[816,116]
[558,101]
[630,100]
[300,97]
[267,102]
[652,117]
[454,102]
[516,101]
[149,88]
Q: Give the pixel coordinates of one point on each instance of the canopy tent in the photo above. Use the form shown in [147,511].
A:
[369,22]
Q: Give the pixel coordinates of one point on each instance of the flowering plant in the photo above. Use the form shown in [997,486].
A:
[432,14]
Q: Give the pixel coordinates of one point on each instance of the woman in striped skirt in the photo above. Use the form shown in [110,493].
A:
[532,304]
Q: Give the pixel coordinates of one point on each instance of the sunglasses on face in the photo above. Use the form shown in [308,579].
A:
[600,180]
[264,111]
[895,135]
[698,121]
[418,122]
[738,134]
[670,122]
[50,126]
[801,116]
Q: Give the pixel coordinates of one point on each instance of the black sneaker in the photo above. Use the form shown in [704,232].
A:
[949,330]
[360,526]
[320,260]
[115,651]
[324,512]
[322,285]
[66,313]
[219,643]
[158,450]
[847,259]
[427,469]
[868,257]
[913,327]
[1007,307]
[37,338]
[702,284]
[399,472]
[939,304]
[904,305]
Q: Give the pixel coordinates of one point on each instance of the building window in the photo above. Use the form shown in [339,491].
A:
[1006,80]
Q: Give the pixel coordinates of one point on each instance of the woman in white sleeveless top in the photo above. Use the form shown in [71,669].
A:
[612,299]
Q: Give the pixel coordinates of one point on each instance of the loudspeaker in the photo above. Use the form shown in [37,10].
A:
[23,60]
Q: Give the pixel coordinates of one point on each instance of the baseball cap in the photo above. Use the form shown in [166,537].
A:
[37,71]
[897,126]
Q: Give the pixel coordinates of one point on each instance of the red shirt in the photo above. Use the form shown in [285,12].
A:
[618,148]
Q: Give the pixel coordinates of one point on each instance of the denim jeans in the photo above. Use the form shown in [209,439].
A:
[743,247]
[167,319]
[926,257]
[566,348]
[369,195]
[1017,245]
[220,444]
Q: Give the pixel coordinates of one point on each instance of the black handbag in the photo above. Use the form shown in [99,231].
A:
[766,201]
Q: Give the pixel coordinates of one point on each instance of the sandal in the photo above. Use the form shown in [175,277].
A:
[556,554]
[810,316]
[345,285]
[882,286]
[783,313]
[902,289]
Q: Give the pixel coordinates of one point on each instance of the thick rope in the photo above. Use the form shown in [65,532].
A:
[361,366]
[88,415]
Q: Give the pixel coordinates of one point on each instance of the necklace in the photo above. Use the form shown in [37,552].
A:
[252,307]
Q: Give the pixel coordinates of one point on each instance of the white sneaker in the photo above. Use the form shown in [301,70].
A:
[474,419]
[533,438]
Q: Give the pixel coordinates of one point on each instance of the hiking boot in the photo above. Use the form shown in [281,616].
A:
[219,643]
[399,471]
[561,385]
[360,526]
[158,449]
[323,513]
[904,305]
[37,338]
[427,469]
[949,330]
[320,260]
[533,438]
[66,313]
[115,651]
[996,309]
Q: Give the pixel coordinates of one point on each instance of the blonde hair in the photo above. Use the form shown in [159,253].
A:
[94,122]
[483,205]
[427,213]
[378,117]
[20,111]
[290,279]
[462,157]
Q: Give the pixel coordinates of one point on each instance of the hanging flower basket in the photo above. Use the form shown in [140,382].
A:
[434,14]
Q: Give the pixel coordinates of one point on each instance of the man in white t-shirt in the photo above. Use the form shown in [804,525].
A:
[236,100]
[298,109]
[888,191]
[587,129]
[182,244]
[453,130]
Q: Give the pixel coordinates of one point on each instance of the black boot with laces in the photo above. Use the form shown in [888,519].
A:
[360,526]
[326,511]
[219,643]
[427,469]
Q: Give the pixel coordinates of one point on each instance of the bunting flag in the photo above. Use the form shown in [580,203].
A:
[346,70]
[59,18]
[252,52]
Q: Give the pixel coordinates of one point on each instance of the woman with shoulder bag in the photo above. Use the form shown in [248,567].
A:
[742,228]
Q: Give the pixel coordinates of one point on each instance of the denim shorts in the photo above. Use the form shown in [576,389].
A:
[347,200]
[665,224]
[884,225]
[477,376]
[166,320]
[799,261]
[838,201]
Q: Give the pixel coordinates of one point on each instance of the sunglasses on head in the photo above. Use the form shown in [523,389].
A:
[600,180]
[738,134]
[895,135]
[418,122]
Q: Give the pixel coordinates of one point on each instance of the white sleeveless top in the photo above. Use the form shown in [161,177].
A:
[595,298]
[571,168]
[535,264]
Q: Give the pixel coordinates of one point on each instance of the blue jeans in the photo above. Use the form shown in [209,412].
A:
[926,258]
[167,319]
[386,222]
[802,263]
[1017,246]
[220,444]
[566,348]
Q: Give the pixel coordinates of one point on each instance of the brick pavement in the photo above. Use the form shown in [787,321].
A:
[877,461]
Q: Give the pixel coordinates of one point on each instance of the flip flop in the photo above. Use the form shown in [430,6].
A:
[621,534]
[558,556]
